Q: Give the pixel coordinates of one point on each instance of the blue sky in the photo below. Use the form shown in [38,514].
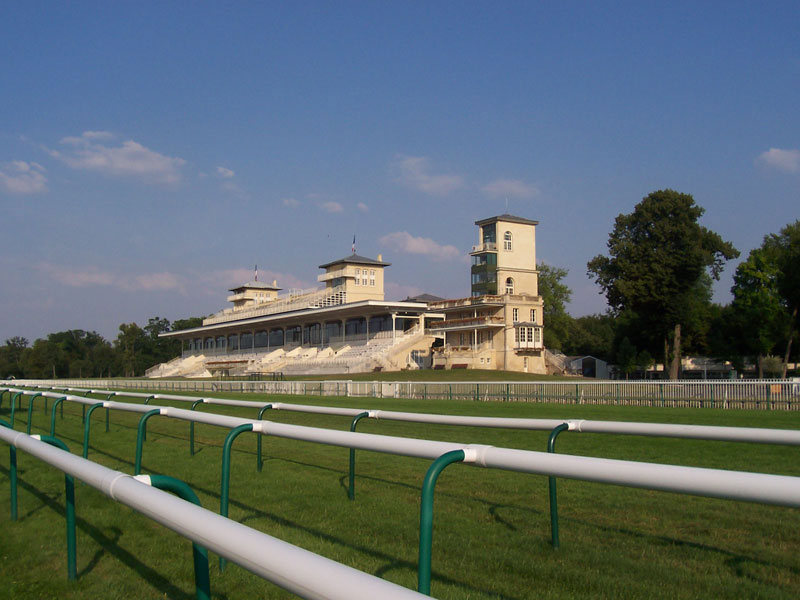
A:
[152,153]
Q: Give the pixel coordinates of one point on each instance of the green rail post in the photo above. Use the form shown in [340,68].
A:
[577,395]
[259,460]
[140,437]
[351,490]
[87,426]
[226,474]
[450,391]
[12,473]
[661,393]
[191,428]
[107,410]
[69,512]
[30,411]
[53,414]
[551,448]
[426,517]
[202,581]
[147,400]
[477,392]
[83,407]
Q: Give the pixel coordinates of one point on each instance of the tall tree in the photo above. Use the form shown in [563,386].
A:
[783,250]
[555,295]
[757,311]
[657,256]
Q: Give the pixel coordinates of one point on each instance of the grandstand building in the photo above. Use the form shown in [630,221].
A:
[348,327]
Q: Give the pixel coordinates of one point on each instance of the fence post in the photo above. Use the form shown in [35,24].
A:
[551,482]
[202,582]
[259,460]
[351,491]
[426,518]
[226,474]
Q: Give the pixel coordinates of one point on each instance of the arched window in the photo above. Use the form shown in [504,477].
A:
[507,240]
[509,285]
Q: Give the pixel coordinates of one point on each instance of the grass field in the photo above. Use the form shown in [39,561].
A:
[491,532]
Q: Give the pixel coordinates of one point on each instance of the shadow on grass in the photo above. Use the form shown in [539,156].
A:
[732,560]
[108,545]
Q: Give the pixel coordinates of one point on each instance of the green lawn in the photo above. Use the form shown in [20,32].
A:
[491,536]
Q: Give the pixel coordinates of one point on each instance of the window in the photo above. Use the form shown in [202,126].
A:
[515,315]
[507,240]
[509,285]
[260,340]
[358,276]
[533,315]
[372,277]
[275,337]
[246,341]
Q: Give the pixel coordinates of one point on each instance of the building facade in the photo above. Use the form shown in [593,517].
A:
[500,325]
[348,326]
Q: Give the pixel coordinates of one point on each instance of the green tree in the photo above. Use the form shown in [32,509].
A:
[591,335]
[10,355]
[555,294]
[784,251]
[658,254]
[757,311]
[130,344]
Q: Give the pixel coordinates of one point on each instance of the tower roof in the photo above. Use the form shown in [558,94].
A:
[355,259]
[255,285]
[507,218]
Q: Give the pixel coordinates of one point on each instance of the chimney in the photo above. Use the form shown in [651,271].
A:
[274,283]
[380,257]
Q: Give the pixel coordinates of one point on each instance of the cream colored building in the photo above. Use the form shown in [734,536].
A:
[347,326]
[500,325]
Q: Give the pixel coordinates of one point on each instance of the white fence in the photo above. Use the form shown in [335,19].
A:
[750,394]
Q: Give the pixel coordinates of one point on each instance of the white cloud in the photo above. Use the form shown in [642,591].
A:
[399,291]
[225,173]
[783,160]
[402,241]
[20,177]
[216,281]
[129,159]
[93,277]
[509,188]
[413,172]
[331,207]
[290,202]
[362,207]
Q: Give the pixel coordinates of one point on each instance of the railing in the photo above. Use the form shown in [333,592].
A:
[471,322]
[310,298]
[486,247]
[777,394]
[472,301]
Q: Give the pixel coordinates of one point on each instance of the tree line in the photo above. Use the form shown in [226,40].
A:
[656,277]
[78,353]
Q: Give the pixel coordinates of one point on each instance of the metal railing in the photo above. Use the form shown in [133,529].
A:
[777,394]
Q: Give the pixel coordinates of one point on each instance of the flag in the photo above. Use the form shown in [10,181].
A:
[354,244]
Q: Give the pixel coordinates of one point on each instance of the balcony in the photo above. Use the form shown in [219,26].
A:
[474,323]
[487,299]
[485,247]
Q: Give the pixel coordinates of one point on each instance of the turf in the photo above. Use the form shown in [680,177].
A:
[491,535]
